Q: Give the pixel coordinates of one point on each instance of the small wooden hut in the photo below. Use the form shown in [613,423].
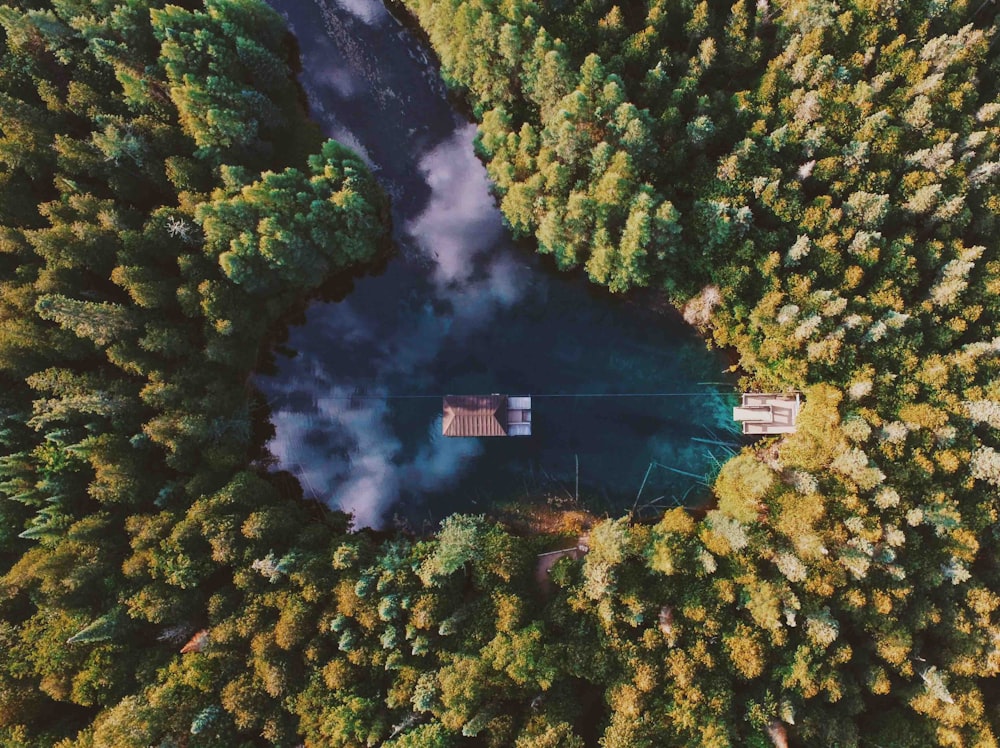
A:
[486,415]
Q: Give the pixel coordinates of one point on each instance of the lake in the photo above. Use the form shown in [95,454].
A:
[462,309]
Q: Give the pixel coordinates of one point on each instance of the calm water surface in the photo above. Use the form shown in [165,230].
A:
[463,310]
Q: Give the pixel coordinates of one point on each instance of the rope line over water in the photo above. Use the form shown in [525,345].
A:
[551,395]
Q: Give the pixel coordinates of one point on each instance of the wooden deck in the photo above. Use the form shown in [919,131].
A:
[767,413]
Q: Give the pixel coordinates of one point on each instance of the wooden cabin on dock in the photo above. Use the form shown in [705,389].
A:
[486,415]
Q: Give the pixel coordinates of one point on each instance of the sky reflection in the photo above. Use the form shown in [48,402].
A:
[346,450]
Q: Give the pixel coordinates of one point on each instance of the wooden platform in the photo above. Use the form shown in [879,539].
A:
[768,413]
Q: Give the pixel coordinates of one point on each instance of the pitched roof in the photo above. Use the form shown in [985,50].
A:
[475,415]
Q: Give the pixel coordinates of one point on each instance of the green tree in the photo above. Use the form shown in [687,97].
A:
[289,230]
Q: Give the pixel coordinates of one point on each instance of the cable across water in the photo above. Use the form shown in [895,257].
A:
[389,396]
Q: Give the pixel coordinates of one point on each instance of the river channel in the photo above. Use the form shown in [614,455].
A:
[462,309]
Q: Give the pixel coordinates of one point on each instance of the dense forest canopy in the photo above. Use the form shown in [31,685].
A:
[814,182]
[164,202]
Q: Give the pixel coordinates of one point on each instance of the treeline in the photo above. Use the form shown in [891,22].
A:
[164,201]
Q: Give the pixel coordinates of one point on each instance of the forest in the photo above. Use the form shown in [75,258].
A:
[815,184]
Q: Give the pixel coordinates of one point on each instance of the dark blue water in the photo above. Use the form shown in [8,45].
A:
[462,310]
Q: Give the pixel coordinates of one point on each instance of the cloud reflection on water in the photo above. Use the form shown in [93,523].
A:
[461,230]
[461,220]
[356,462]
[368,12]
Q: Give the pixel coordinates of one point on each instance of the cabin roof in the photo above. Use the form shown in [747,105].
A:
[475,415]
